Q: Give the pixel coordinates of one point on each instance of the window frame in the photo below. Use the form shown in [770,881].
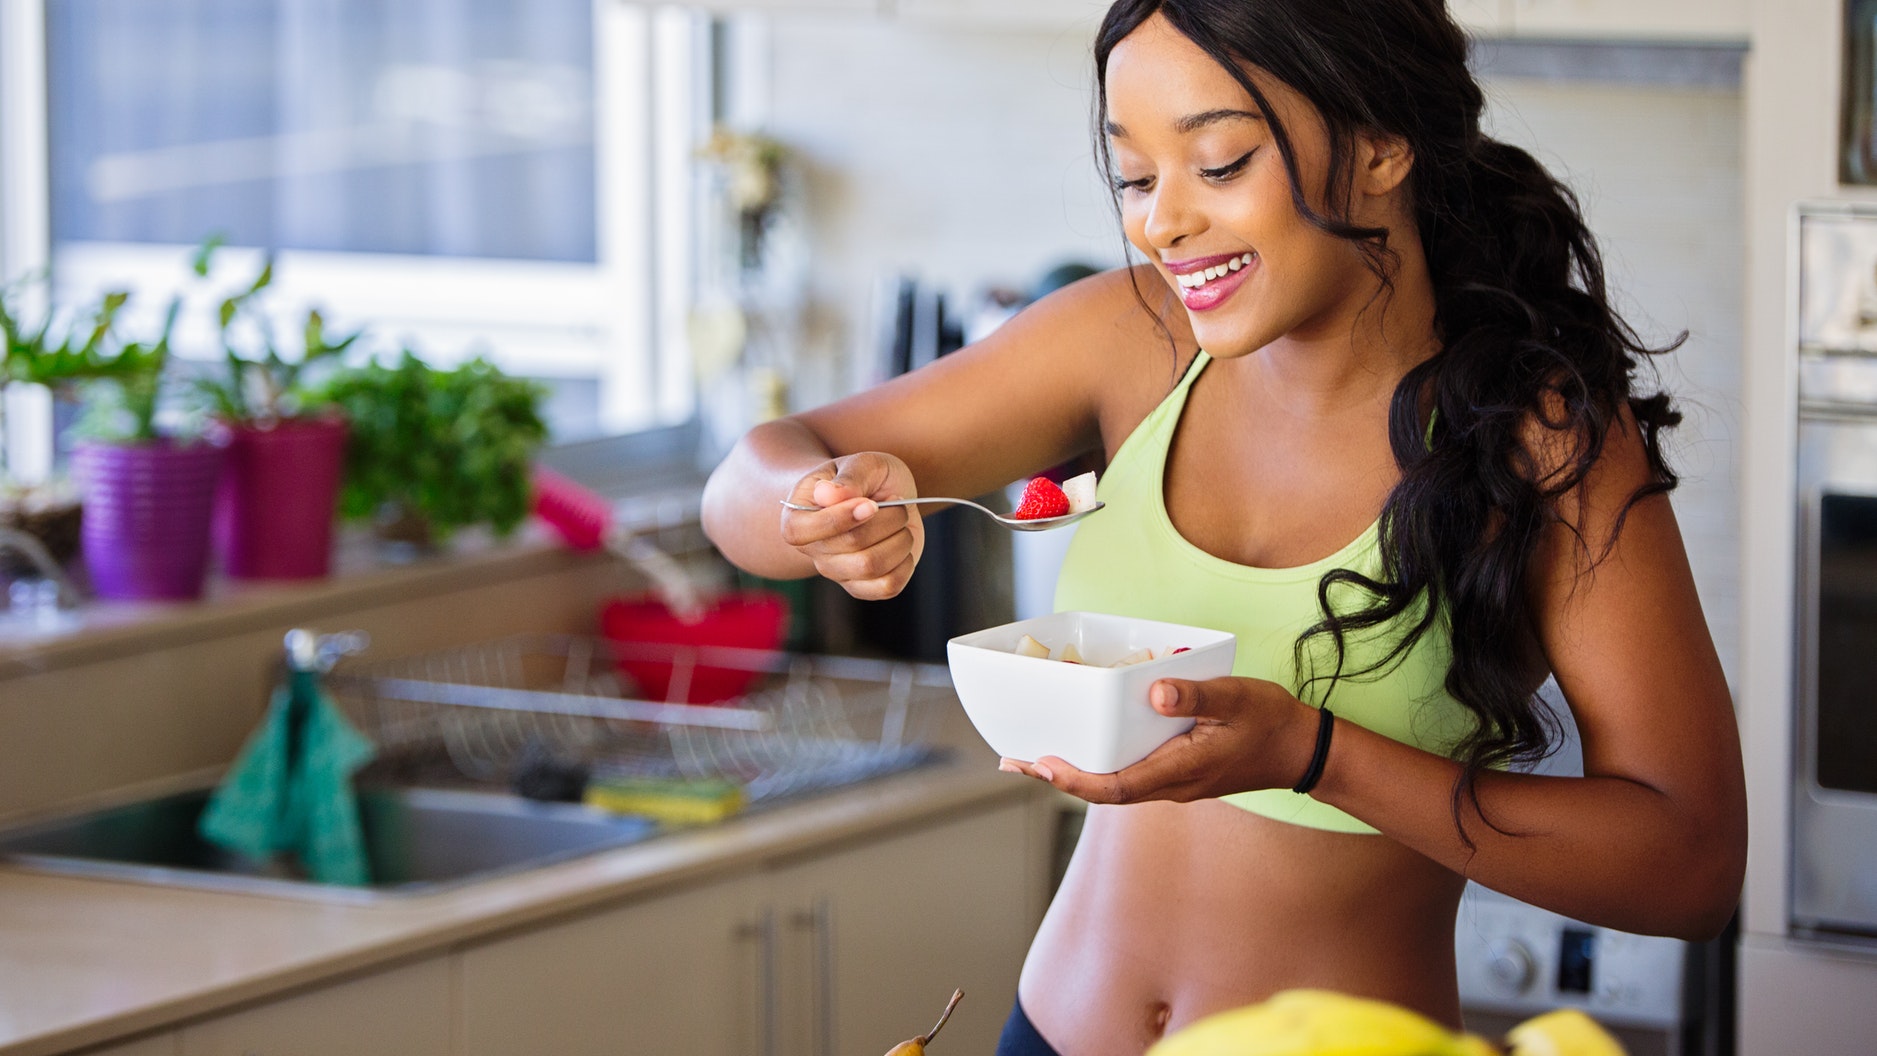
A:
[619,319]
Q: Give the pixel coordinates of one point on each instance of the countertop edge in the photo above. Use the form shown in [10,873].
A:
[448,919]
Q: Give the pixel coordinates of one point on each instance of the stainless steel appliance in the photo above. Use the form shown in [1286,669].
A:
[1834,771]
[1516,961]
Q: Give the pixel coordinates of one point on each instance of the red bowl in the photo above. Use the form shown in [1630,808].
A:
[748,620]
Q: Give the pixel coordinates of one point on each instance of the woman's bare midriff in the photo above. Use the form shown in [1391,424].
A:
[1170,912]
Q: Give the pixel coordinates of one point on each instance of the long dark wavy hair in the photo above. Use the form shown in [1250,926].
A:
[1527,339]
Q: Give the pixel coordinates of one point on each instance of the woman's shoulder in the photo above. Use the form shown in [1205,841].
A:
[1129,334]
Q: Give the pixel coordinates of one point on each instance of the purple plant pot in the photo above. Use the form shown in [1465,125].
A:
[274,509]
[146,526]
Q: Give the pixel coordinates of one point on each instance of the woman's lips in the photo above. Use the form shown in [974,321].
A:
[1212,294]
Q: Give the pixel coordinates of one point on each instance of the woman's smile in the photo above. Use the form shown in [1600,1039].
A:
[1206,282]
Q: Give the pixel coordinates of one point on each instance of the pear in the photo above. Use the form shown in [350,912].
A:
[1565,1032]
[916,1046]
[1318,1023]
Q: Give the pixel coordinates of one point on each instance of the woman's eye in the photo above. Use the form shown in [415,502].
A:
[1139,184]
[1226,172]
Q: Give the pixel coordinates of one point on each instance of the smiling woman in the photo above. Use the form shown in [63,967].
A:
[1366,406]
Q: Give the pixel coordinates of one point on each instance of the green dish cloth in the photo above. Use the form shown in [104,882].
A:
[290,789]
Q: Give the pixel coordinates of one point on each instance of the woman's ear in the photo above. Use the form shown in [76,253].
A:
[1382,163]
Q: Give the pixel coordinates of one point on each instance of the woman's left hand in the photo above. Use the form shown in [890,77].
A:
[1248,734]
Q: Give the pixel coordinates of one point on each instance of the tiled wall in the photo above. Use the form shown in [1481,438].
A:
[964,156]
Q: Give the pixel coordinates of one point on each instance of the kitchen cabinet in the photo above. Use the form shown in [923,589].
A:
[679,972]
[1485,18]
[1083,15]
[845,950]
[1631,19]
[400,1012]
[876,937]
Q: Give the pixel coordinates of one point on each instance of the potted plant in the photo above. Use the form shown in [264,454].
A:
[47,510]
[285,449]
[432,451]
[148,492]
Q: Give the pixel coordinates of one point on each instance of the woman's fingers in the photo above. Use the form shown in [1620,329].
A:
[876,573]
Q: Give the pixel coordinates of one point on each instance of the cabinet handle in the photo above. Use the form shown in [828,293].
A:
[819,920]
[764,932]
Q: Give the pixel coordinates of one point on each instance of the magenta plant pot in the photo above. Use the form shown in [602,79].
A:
[275,508]
[146,526]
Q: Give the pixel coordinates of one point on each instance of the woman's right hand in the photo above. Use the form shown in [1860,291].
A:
[868,549]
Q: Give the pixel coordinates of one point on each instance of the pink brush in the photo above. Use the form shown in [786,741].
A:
[585,522]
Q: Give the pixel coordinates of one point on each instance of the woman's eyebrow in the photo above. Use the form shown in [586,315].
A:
[1193,122]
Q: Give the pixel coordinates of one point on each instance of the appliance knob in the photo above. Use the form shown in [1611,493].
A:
[1510,967]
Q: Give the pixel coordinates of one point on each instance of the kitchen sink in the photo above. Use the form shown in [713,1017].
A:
[417,841]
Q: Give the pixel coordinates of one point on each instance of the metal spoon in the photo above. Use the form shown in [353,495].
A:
[1036,524]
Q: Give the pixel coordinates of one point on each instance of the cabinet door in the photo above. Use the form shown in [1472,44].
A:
[876,937]
[1486,18]
[401,1012]
[1635,19]
[675,973]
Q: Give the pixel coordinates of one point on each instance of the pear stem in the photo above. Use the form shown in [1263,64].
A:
[926,1038]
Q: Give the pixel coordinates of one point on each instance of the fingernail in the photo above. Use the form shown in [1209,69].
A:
[1043,771]
[864,510]
[1165,696]
[1008,767]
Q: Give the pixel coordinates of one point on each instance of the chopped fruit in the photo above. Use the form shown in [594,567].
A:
[1080,491]
[1041,498]
[1029,646]
[1138,656]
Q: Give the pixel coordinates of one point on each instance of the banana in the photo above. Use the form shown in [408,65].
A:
[1319,1023]
[1565,1032]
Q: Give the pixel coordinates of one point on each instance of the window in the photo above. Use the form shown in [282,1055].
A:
[470,176]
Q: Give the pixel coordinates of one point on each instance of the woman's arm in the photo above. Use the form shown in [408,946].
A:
[1651,839]
[1031,395]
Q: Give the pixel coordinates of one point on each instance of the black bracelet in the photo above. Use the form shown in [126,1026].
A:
[1325,723]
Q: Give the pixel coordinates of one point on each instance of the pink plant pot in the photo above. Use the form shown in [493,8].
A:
[147,509]
[274,510]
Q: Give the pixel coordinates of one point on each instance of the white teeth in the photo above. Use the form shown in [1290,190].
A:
[1192,280]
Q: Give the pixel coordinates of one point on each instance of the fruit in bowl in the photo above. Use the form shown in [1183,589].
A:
[1091,711]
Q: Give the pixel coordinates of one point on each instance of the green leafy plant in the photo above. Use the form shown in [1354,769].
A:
[262,384]
[123,378]
[452,447]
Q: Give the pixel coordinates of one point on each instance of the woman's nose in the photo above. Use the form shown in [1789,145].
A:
[1170,218]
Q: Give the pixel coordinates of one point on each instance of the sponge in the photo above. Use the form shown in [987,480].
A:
[671,800]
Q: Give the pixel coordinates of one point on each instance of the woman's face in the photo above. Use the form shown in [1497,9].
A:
[1205,196]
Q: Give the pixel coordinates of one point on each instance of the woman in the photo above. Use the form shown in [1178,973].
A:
[1366,405]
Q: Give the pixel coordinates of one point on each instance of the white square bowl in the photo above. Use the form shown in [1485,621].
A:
[1095,717]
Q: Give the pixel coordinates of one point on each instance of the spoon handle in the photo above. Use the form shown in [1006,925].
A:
[898,502]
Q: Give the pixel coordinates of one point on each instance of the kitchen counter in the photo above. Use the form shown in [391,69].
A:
[85,962]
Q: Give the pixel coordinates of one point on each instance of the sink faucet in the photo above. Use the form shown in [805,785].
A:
[35,552]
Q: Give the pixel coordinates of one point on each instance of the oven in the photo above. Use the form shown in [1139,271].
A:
[1834,766]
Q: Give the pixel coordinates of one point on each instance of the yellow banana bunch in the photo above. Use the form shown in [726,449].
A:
[1324,1023]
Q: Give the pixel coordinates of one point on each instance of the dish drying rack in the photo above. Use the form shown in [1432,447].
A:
[805,722]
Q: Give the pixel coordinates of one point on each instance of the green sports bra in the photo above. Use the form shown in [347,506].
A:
[1130,560]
